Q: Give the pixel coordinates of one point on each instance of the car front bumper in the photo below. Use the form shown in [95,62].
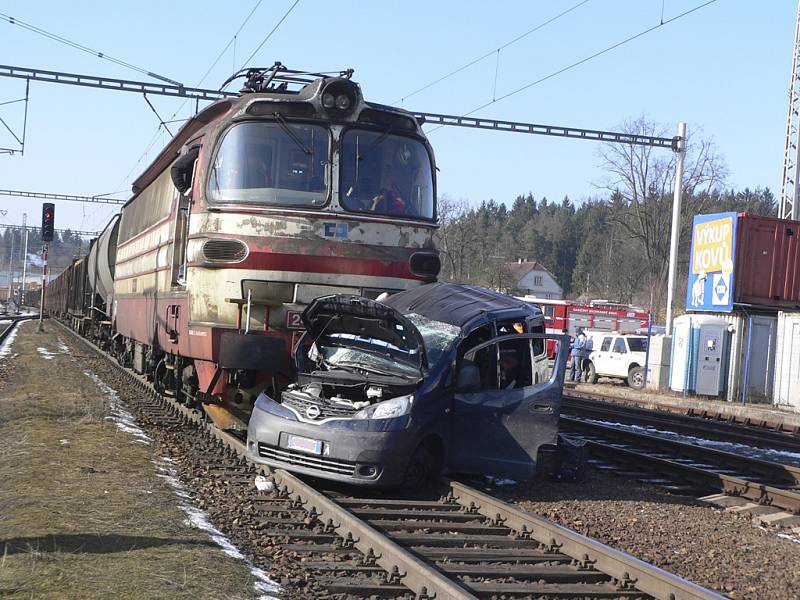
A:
[369,458]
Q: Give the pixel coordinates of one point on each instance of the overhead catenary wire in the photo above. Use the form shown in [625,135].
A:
[586,59]
[102,55]
[493,52]
[269,35]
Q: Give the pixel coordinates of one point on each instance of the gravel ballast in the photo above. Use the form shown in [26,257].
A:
[718,549]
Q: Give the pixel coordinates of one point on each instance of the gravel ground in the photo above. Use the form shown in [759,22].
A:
[714,548]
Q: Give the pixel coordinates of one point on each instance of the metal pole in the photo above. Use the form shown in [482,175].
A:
[44,284]
[647,348]
[10,274]
[24,260]
[676,221]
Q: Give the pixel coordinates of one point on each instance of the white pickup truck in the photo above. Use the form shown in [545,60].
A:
[616,355]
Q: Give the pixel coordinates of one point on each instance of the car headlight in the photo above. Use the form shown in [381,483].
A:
[268,405]
[388,409]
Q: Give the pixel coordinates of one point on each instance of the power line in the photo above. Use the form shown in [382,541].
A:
[496,51]
[31,227]
[583,60]
[82,48]
[220,55]
[122,85]
[441,119]
[269,35]
[67,197]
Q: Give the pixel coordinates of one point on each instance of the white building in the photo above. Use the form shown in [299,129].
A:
[531,278]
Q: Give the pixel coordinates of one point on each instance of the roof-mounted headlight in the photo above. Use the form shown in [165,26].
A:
[339,97]
[342,102]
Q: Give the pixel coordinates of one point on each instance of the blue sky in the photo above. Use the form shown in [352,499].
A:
[723,69]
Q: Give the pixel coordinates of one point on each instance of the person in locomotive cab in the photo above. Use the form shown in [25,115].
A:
[390,199]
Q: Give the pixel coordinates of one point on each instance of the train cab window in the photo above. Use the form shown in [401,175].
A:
[271,163]
[619,346]
[385,174]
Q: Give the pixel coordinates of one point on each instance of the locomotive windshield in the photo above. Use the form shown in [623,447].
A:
[276,163]
[385,174]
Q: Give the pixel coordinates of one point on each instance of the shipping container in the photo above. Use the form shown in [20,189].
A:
[744,260]
[787,363]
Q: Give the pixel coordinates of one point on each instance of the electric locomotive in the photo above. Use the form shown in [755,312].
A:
[295,189]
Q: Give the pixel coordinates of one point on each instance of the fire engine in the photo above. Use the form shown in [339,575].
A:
[564,316]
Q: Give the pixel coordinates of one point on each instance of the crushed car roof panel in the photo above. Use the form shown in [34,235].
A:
[453,303]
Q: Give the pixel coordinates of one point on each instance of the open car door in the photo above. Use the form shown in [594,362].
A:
[507,404]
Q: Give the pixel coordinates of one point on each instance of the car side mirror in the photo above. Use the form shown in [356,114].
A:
[469,378]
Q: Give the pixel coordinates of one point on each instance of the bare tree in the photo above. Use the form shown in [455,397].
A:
[455,238]
[641,179]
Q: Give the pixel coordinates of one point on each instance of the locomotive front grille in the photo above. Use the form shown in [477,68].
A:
[221,251]
[299,459]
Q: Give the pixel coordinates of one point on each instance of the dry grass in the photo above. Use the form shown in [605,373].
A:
[83,513]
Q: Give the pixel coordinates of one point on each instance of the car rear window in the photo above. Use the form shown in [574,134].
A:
[637,344]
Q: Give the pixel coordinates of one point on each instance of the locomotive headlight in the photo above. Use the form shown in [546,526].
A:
[328,100]
[342,102]
[388,409]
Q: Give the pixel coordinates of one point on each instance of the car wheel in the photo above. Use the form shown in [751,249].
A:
[421,468]
[636,378]
[591,373]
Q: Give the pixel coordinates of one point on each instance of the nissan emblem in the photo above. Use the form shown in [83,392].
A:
[312,412]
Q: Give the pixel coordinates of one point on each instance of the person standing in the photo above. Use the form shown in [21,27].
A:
[578,344]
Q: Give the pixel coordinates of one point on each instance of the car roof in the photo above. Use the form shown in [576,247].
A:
[456,303]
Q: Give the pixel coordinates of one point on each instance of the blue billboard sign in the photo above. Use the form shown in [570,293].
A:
[711,263]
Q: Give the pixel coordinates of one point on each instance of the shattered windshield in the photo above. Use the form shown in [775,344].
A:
[349,351]
[436,336]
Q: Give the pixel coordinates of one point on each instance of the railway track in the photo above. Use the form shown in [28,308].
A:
[13,322]
[703,423]
[689,468]
[453,542]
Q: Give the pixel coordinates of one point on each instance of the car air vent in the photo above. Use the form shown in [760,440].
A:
[224,251]
[425,264]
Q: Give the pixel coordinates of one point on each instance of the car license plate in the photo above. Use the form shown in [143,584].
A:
[295,442]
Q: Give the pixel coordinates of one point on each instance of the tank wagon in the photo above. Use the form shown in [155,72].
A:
[297,188]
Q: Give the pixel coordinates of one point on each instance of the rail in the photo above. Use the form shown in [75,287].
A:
[424,546]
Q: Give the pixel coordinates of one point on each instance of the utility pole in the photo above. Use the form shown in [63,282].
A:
[24,259]
[791,149]
[680,150]
[44,283]
[10,274]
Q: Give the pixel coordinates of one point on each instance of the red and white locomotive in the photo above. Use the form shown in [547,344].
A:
[295,189]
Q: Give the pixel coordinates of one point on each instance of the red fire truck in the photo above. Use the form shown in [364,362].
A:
[564,316]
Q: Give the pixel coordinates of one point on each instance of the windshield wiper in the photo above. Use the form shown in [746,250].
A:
[372,369]
[287,129]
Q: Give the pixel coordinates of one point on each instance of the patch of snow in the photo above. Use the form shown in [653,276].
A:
[263,484]
[46,354]
[62,347]
[197,518]
[769,454]
[119,414]
[791,538]
[5,348]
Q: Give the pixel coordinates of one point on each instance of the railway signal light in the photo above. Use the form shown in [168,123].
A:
[48,221]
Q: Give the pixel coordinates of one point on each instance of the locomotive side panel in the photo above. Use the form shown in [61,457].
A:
[143,273]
